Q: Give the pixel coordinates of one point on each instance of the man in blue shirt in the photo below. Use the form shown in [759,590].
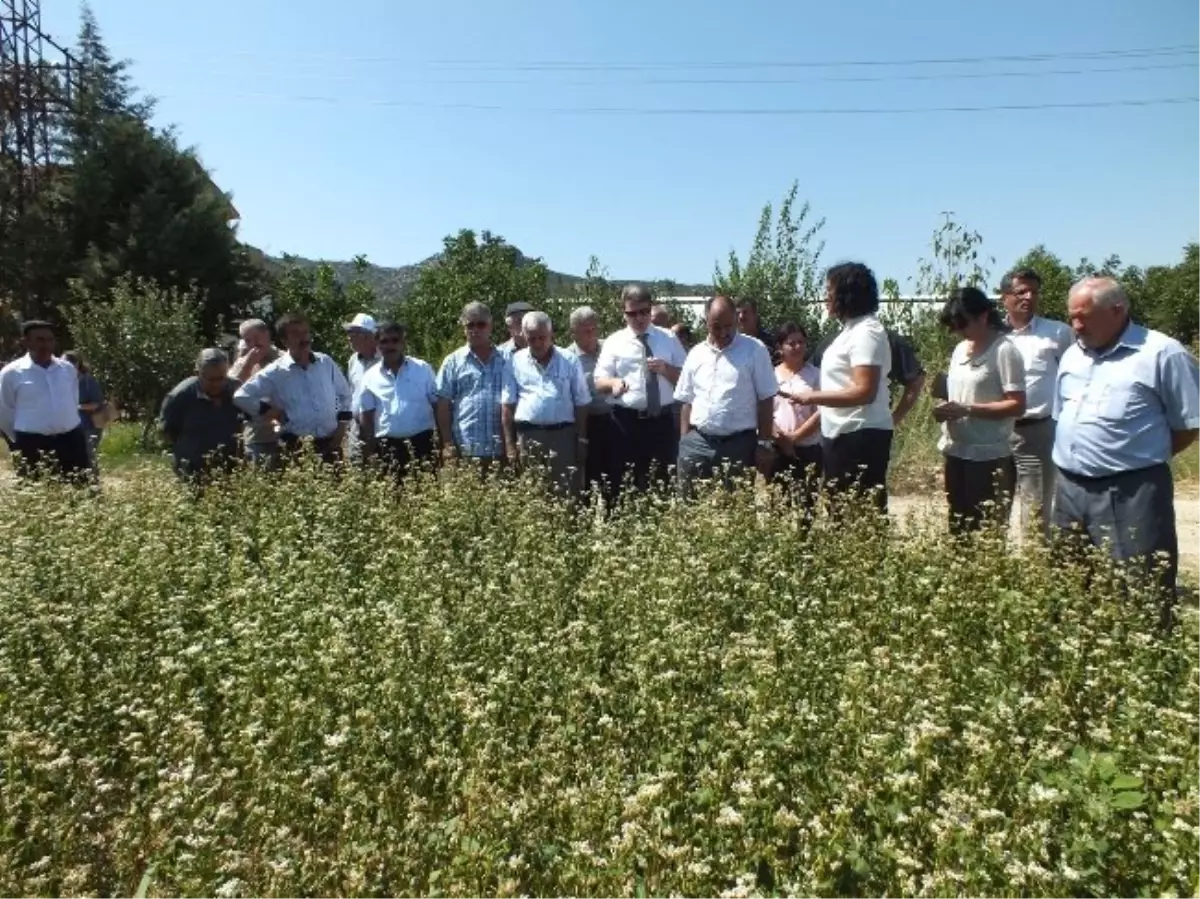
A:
[468,386]
[395,404]
[1126,400]
[545,405]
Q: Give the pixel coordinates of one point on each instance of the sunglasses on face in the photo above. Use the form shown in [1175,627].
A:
[637,313]
[475,325]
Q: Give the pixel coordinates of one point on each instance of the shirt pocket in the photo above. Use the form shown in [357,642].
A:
[1114,402]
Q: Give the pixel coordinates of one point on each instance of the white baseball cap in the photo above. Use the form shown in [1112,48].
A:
[361,322]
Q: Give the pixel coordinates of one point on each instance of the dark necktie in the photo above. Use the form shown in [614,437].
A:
[653,400]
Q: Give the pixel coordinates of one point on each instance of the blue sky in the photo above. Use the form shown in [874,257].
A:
[378,127]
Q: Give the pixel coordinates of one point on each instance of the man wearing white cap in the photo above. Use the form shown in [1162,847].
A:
[361,332]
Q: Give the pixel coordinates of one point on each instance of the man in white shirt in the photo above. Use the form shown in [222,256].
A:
[1041,343]
[360,331]
[727,388]
[639,366]
[513,315]
[396,404]
[39,409]
[303,390]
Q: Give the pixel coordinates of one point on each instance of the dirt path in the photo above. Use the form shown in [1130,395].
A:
[1187,517]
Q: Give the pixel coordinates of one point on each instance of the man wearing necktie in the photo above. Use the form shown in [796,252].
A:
[638,367]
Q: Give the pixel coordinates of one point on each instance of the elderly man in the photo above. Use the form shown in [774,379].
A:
[200,421]
[360,331]
[660,316]
[639,366]
[728,389]
[544,406]
[260,438]
[1126,400]
[602,470]
[1041,343]
[469,384]
[513,314]
[39,409]
[396,403]
[304,391]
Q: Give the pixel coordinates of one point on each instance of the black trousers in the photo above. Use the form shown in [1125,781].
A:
[978,491]
[602,470]
[397,454]
[800,475]
[325,448]
[648,447]
[858,461]
[63,455]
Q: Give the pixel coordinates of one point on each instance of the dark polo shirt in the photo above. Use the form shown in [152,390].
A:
[199,427]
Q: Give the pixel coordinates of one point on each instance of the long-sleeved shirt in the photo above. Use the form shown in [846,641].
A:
[38,399]
[313,398]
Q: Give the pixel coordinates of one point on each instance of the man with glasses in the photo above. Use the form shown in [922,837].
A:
[639,366]
[469,385]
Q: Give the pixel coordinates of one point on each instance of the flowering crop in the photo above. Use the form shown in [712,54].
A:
[310,686]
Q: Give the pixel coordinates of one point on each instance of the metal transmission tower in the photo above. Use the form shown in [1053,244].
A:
[37,85]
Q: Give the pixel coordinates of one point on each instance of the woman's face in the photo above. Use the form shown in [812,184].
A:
[793,348]
[974,329]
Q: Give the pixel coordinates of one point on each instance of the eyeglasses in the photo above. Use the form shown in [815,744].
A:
[474,325]
[637,313]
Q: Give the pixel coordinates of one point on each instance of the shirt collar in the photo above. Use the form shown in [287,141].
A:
[1133,337]
[1029,328]
[287,361]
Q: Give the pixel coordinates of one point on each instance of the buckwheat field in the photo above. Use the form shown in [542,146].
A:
[315,687]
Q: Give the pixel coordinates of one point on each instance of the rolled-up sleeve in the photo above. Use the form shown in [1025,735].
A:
[8,405]
[1180,389]
[343,394]
[253,394]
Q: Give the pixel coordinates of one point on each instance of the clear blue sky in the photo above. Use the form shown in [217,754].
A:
[347,127]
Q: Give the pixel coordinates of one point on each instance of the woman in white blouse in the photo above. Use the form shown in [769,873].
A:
[797,427]
[856,414]
[984,396]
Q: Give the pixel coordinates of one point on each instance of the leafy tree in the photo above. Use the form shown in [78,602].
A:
[140,339]
[781,273]
[471,267]
[318,293]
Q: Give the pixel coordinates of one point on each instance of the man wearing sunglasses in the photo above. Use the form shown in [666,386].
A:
[468,388]
[638,367]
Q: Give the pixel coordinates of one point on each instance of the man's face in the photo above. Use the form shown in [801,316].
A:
[299,341]
[660,317]
[747,318]
[514,329]
[587,336]
[40,344]
[540,343]
[1021,302]
[257,339]
[392,345]
[478,332]
[721,321]
[1095,326]
[363,342]
[637,315]
[213,378]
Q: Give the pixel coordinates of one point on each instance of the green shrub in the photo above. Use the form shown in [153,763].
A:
[309,687]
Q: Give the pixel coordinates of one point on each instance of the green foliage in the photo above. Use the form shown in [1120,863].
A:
[483,268]
[140,340]
[303,686]
[319,294]
[781,274]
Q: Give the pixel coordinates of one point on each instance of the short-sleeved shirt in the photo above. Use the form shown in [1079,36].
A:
[906,364]
[402,400]
[601,403]
[544,394]
[473,389]
[1116,408]
[983,378]
[789,416]
[861,342]
[199,426]
[725,385]
[623,356]
[1041,343]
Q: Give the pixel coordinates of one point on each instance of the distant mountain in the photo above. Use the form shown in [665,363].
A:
[396,282]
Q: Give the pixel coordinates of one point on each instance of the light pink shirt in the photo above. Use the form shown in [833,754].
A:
[789,416]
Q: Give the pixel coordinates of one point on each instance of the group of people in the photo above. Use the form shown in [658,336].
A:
[1079,420]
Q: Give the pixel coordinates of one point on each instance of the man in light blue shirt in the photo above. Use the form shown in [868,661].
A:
[1126,400]
[544,406]
[304,391]
[395,404]
[469,385]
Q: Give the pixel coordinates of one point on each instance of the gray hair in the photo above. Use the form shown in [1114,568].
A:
[1106,292]
[475,312]
[584,315]
[536,321]
[210,357]
[252,324]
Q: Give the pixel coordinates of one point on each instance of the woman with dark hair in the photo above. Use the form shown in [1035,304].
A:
[91,401]
[856,414]
[797,434]
[984,395]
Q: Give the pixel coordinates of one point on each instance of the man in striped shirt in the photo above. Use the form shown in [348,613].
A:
[469,385]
